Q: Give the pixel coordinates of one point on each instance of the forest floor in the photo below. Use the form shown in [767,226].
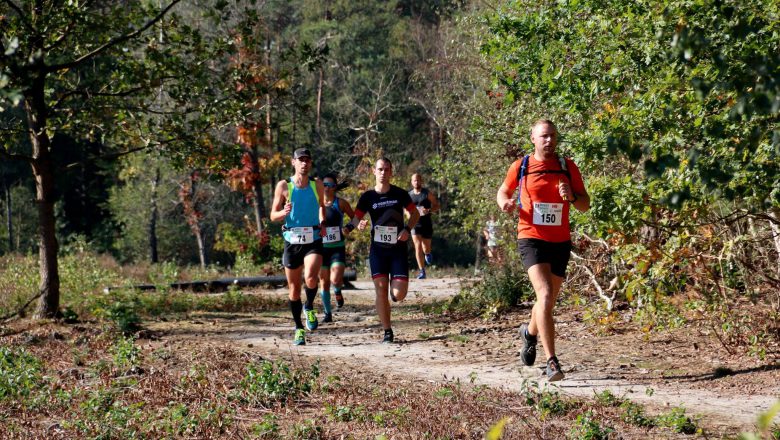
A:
[687,367]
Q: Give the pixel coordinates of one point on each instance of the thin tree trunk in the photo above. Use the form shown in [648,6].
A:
[9,219]
[43,171]
[319,108]
[775,226]
[478,255]
[153,255]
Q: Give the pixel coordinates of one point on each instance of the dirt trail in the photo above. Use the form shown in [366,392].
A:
[664,371]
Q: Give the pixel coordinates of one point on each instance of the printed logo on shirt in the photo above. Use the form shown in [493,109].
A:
[384,204]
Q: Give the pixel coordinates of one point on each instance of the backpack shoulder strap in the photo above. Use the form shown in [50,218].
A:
[520,175]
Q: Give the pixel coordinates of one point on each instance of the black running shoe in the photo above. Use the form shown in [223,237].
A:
[339,300]
[328,317]
[528,353]
[388,339]
[554,372]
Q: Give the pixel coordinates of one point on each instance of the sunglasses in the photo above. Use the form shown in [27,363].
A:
[329,185]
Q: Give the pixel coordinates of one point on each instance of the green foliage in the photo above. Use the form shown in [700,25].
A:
[344,413]
[307,430]
[677,421]
[126,354]
[268,383]
[586,427]
[546,401]
[500,288]
[21,373]
[268,428]
[607,398]
[635,415]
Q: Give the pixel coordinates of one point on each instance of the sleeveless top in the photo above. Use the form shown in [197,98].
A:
[334,217]
[305,208]
[421,200]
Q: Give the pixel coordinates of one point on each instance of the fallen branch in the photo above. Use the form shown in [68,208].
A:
[20,309]
[609,300]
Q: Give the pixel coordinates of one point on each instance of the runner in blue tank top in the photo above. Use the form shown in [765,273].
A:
[334,257]
[298,202]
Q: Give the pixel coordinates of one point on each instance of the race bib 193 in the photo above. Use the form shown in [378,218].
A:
[302,235]
[332,234]
[548,214]
[386,234]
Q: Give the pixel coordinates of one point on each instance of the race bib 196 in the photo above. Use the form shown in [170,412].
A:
[302,235]
[332,234]
[386,234]
[548,214]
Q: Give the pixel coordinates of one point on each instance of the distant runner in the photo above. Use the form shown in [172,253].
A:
[423,231]
[548,185]
[386,204]
[334,257]
[299,203]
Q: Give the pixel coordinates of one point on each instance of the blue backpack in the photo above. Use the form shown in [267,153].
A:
[524,172]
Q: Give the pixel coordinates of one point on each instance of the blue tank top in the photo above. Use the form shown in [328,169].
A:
[305,208]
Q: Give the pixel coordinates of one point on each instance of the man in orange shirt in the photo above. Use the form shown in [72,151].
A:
[548,187]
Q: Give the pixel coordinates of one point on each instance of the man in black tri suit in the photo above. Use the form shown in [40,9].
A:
[386,203]
[423,231]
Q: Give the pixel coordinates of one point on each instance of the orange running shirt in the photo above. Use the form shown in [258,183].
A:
[551,222]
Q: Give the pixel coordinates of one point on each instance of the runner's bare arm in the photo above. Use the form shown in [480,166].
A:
[353,222]
[505,200]
[280,207]
[346,208]
[414,216]
[321,198]
[434,202]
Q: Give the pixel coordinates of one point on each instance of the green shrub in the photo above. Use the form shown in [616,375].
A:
[268,383]
[20,373]
[126,354]
[587,428]
[635,415]
[501,287]
[677,421]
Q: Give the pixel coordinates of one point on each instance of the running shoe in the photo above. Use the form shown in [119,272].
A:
[300,337]
[311,319]
[554,372]
[339,300]
[428,259]
[328,317]
[389,337]
[528,352]
[421,275]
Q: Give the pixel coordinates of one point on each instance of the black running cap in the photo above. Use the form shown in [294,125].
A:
[301,152]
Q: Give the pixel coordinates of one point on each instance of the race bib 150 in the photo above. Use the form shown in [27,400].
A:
[548,214]
[386,234]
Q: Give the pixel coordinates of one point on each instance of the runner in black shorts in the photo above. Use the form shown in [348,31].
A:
[334,256]
[386,204]
[298,202]
[549,187]
[423,231]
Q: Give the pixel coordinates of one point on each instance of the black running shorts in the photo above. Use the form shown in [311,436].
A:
[293,255]
[333,255]
[424,227]
[534,251]
[391,263]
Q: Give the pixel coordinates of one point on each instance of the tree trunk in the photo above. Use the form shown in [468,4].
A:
[775,226]
[9,218]
[153,256]
[43,171]
[319,109]
[201,248]
[478,254]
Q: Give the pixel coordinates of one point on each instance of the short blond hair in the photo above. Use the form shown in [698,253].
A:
[545,122]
